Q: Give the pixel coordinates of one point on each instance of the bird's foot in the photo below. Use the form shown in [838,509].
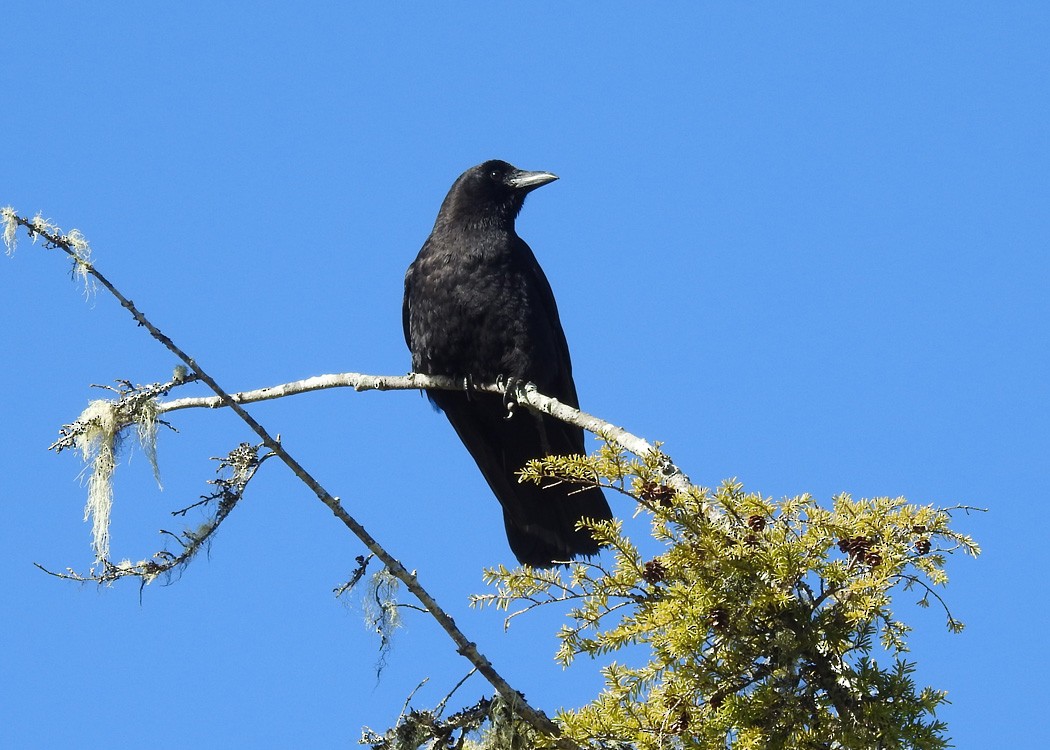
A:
[511,391]
[468,386]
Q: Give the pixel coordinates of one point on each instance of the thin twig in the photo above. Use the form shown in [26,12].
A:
[444,701]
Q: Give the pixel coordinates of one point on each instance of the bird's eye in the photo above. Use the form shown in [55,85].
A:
[495,175]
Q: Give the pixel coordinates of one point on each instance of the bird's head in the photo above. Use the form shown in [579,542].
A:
[491,192]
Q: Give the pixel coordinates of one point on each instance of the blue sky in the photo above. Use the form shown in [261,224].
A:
[803,247]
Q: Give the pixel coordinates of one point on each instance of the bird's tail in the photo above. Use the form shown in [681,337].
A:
[540,519]
[546,534]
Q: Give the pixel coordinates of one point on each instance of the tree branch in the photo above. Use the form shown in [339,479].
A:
[244,461]
[74,245]
[526,395]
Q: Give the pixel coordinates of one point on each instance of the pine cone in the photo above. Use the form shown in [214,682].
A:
[856,547]
[657,493]
[654,572]
[681,722]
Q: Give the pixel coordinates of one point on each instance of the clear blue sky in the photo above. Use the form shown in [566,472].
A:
[806,248]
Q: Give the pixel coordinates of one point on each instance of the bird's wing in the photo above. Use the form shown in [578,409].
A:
[561,386]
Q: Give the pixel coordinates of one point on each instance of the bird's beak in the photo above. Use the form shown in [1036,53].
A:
[522,180]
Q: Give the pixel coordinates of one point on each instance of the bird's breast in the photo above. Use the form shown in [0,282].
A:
[472,315]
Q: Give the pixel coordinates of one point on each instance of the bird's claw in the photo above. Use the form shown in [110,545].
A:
[512,386]
[468,386]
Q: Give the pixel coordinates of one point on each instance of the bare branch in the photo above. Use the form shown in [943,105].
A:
[74,246]
[526,395]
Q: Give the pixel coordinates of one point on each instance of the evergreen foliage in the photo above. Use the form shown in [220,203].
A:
[759,620]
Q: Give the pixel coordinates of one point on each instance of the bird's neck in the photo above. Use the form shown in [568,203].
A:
[481,224]
[469,217]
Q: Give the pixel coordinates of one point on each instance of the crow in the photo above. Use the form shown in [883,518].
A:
[477,306]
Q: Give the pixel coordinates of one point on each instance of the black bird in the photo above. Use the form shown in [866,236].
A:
[478,306]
